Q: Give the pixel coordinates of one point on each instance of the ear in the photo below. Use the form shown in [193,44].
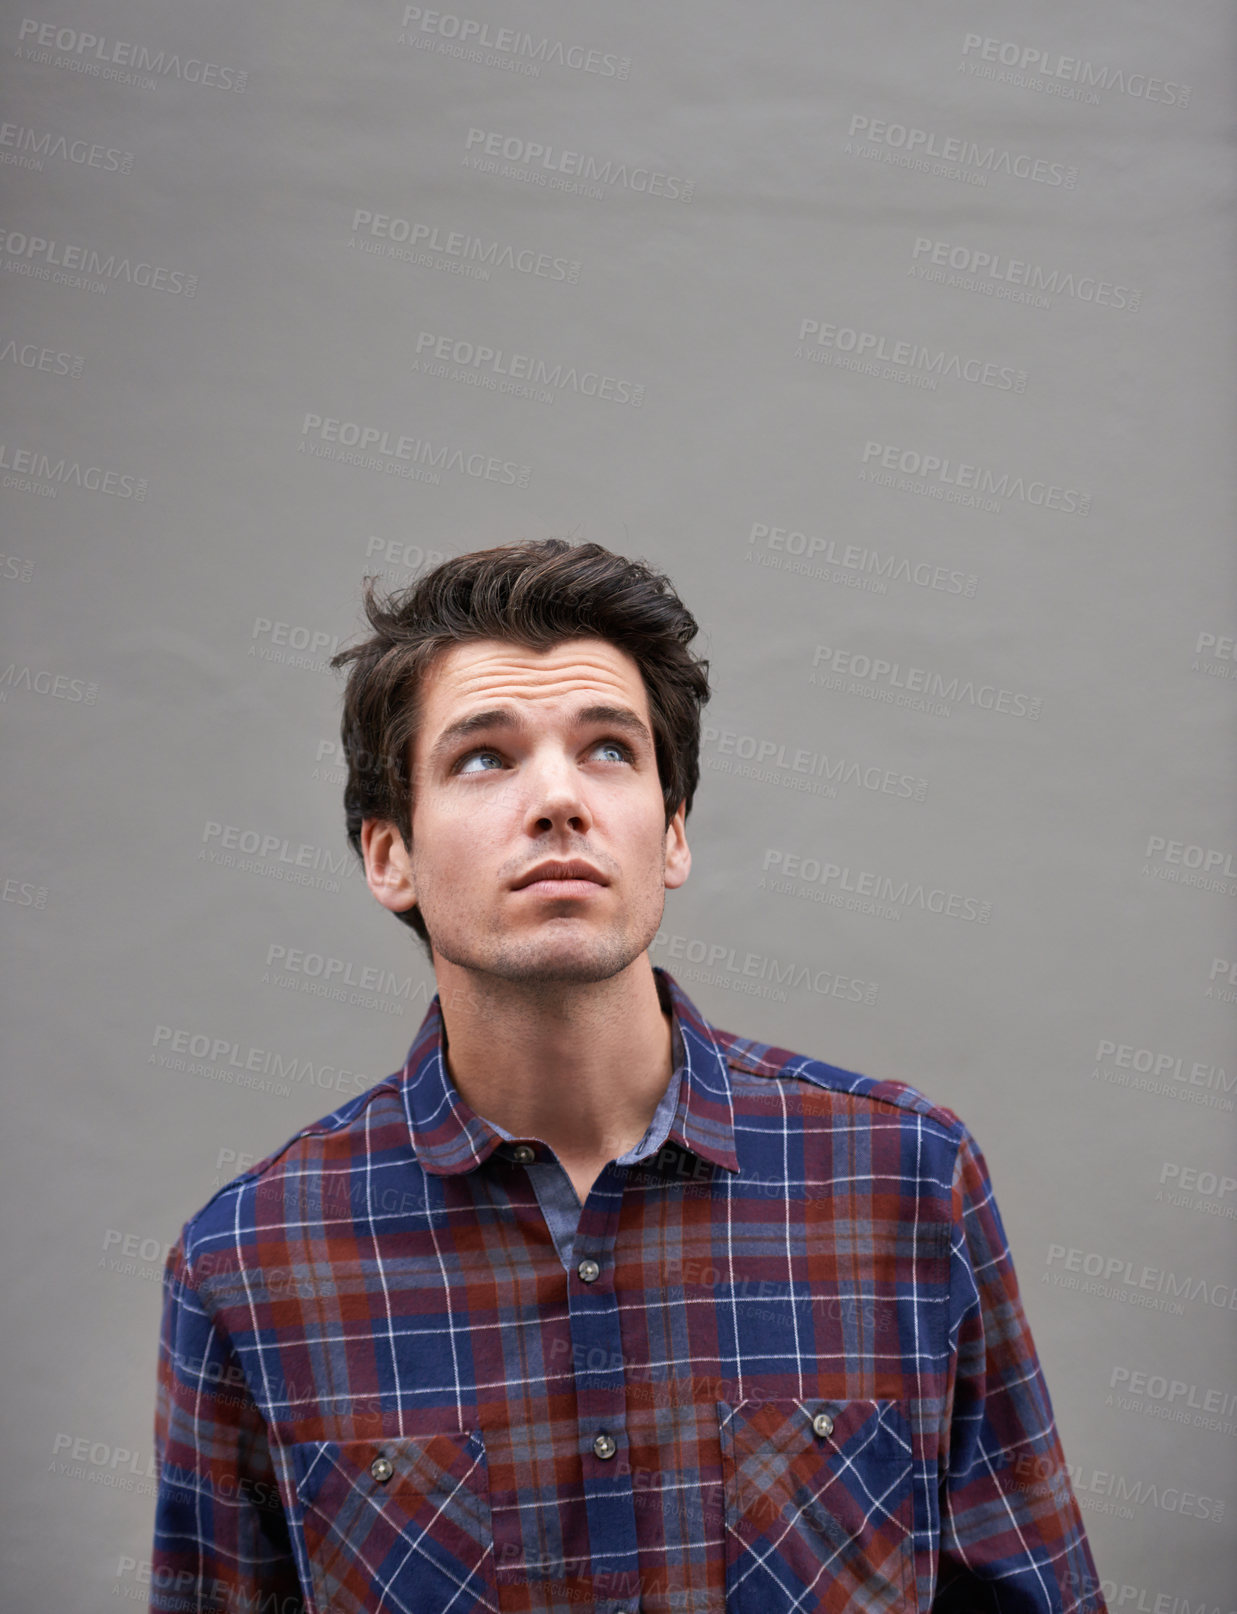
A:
[678,853]
[388,864]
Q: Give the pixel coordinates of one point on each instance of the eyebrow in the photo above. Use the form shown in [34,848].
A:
[499,718]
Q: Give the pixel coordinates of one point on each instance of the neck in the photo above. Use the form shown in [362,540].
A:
[579,1065]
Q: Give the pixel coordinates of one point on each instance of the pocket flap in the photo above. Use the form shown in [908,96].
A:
[397,1524]
[819,1505]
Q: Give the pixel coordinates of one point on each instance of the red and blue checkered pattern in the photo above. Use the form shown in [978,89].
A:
[380,1390]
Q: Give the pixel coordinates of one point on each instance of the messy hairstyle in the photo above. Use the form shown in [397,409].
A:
[534,593]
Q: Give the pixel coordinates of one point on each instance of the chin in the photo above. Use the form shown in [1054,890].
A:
[576,953]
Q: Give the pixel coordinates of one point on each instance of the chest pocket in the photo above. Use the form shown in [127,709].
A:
[397,1526]
[819,1515]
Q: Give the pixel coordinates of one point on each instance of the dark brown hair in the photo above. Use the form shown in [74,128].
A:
[535,593]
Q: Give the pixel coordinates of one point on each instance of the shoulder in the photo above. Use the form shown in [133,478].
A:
[295,1172]
[756,1067]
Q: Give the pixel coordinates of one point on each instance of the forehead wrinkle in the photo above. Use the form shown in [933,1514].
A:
[495,675]
[585,650]
[538,660]
[546,686]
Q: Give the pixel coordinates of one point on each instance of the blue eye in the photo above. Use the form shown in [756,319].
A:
[478,756]
[624,755]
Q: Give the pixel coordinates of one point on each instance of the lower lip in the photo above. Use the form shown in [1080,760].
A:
[562,888]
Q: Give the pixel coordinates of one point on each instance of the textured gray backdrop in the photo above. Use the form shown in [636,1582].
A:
[901,337]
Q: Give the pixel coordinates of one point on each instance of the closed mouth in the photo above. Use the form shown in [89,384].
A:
[572,872]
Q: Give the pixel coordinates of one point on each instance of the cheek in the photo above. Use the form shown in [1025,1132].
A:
[439,843]
[459,841]
[647,841]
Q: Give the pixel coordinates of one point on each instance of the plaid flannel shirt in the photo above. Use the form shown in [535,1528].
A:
[786,1368]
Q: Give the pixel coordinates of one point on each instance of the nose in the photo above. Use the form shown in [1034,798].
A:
[556,797]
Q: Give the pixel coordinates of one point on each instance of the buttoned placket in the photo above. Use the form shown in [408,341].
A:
[585,1239]
[601,1390]
[596,1340]
[597,1351]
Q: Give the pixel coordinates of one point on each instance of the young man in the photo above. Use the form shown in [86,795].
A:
[591,1304]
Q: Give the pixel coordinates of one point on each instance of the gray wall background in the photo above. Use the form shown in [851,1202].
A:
[901,338]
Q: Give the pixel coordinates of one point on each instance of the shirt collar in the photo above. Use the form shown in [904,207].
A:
[450,1138]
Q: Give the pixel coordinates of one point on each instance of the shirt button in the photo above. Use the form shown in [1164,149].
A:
[604,1446]
[589,1271]
[523,1153]
[381,1469]
[822,1424]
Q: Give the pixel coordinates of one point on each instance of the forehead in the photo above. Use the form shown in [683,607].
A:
[486,672]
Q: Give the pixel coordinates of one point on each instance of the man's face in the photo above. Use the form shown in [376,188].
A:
[525,761]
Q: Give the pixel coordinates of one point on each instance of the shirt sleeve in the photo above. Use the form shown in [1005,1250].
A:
[1012,1539]
[221,1538]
